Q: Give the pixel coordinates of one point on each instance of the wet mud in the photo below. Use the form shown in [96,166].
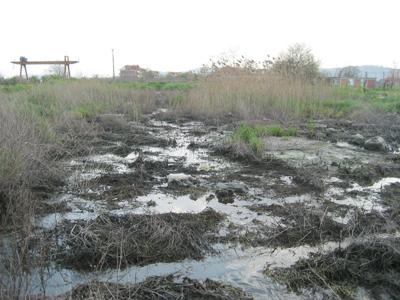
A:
[162,196]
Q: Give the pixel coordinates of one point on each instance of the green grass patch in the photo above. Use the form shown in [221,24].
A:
[252,135]
[275,130]
[351,99]
[386,100]
[339,108]
[155,85]
[90,109]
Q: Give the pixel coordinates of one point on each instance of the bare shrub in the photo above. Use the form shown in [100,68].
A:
[297,62]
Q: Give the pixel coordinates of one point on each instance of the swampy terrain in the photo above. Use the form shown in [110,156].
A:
[167,207]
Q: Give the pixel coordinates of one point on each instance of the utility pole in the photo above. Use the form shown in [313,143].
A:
[113,63]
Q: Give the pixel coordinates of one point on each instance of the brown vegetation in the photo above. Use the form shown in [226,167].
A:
[167,287]
[255,96]
[40,124]
[373,264]
[112,241]
[43,123]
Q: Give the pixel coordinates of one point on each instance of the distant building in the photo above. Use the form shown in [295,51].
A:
[370,83]
[392,80]
[135,72]
[353,82]
[131,72]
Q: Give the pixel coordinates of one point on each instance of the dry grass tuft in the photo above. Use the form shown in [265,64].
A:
[119,241]
[373,264]
[166,287]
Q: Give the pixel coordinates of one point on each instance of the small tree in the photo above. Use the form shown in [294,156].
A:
[349,72]
[230,61]
[297,62]
[56,70]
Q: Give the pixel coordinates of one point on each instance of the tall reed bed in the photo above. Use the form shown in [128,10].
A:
[266,96]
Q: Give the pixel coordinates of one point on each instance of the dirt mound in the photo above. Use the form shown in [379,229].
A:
[119,241]
[158,287]
[373,264]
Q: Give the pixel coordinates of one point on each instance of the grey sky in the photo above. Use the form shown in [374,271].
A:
[179,35]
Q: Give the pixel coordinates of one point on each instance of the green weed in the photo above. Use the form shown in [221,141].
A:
[155,85]
[250,136]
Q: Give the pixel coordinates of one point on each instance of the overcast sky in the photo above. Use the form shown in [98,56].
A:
[179,35]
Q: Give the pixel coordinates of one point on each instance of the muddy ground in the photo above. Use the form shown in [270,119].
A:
[160,197]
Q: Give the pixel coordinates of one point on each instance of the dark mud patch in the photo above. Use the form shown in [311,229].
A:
[47,187]
[121,186]
[373,264]
[111,122]
[3,204]
[159,287]
[135,138]
[384,125]
[162,168]
[276,209]
[120,149]
[336,209]
[363,174]
[286,190]
[128,135]
[309,179]
[306,180]
[118,241]
[368,173]
[45,208]
[195,191]
[182,117]
[225,196]
[298,225]
[145,175]
[327,208]
[391,196]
